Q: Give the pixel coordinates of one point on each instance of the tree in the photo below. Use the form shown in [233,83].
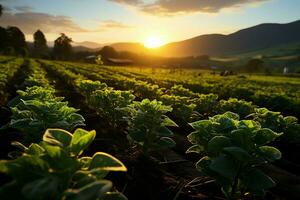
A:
[254,65]
[3,40]
[62,47]
[16,40]
[40,48]
[108,52]
[1,10]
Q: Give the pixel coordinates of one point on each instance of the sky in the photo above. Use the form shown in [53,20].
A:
[110,21]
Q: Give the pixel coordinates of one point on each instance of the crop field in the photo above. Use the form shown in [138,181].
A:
[77,131]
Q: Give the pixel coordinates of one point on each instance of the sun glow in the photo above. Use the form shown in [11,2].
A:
[154,42]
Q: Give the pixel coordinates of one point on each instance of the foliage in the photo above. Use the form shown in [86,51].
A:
[54,169]
[233,151]
[37,109]
[16,40]
[148,125]
[1,10]
[62,47]
[107,102]
[40,44]
[182,108]
[241,107]
[179,90]
[274,120]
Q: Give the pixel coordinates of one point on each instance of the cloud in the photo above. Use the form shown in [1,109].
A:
[23,8]
[111,24]
[29,21]
[173,7]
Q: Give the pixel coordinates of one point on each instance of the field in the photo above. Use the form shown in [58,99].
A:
[166,133]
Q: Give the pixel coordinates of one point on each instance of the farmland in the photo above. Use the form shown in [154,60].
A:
[85,131]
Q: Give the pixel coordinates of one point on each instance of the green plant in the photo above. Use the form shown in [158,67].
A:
[148,125]
[274,120]
[241,107]
[233,152]
[87,87]
[37,109]
[182,108]
[179,90]
[54,169]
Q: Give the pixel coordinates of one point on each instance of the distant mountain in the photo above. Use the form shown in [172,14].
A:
[132,47]
[84,48]
[251,39]
[88,44]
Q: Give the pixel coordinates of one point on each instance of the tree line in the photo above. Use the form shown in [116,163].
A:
[13,42]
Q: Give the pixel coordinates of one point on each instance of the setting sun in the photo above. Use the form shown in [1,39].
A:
[154,42]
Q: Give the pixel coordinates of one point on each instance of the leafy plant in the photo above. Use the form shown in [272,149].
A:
[179,90]
[37,109]
[241,107]
[87,87]
[148,125]
[182,108]
[233,152]
[274,120]
[54,169]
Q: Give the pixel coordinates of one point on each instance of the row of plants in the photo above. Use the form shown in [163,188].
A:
[186,104]
[270,94]
[49,164]
[237,185]
[189,106]
[226,140]
[7,72]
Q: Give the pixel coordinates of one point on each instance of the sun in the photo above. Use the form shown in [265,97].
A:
[154,42]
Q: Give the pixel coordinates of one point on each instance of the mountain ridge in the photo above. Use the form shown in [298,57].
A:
[253,38]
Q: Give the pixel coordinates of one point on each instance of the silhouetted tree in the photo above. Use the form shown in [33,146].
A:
[3,40]
[40,48]
[16,40]
[108,52]
[254,65]
[1,10]
[62,47]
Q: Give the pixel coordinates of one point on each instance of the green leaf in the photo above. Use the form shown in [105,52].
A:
[249,124]
[202,124]
[57,137]
[168,122]
[164,131]
[44,188]
[217,143]
[195,149]
[270,153]
[232,115]
[224,166]
[203,164]
[265,135]
[256,180]
[19,145]
[114,196]
[35,149]
[92,191]
[137,135]
[166,142]
[243,139]
[81,140]
[290,120]
[238,153]
[106,162]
